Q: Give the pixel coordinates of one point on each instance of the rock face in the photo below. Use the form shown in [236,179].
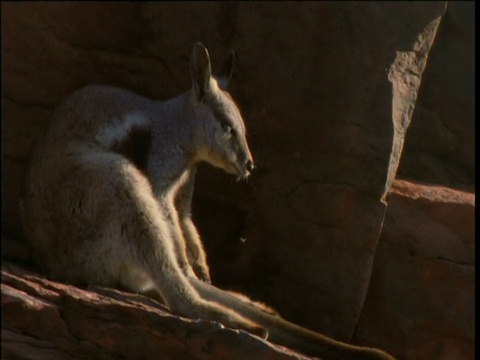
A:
[421,301]
[328,91]
[440,145]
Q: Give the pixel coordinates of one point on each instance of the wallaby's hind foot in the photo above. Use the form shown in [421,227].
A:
[289,334]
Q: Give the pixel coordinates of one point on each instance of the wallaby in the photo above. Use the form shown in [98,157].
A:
[107,200]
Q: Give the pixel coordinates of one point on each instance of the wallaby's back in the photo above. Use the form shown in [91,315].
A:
[67,166]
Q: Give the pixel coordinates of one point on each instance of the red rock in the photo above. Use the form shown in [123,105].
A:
[421,299]
[44,319]
[440,144]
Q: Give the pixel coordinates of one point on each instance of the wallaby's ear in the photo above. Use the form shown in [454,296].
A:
[200,69]
[225,74]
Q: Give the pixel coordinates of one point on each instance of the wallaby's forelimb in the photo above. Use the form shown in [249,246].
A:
[288,334]
[195,251]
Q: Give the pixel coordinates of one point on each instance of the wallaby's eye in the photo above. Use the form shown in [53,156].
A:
[227,128]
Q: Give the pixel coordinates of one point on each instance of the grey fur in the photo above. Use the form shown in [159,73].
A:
[102,206]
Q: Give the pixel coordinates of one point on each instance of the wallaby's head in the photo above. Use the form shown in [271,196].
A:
[219,129]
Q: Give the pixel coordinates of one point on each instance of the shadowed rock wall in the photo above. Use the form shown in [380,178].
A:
[327,90]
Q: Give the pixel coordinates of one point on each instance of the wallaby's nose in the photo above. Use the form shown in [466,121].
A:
[249,165]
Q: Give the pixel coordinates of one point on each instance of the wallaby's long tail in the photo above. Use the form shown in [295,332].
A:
[288,334]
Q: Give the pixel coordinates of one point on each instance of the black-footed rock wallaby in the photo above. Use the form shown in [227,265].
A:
[107,200]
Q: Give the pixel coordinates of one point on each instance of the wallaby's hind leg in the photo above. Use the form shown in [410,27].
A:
[138,281]
[145,243]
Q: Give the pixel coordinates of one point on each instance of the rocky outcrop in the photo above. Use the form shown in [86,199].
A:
[328,90]
[43,319]
[440,146]
[421,301]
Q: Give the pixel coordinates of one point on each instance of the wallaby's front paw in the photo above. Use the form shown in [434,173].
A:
[259,331]
[202,273]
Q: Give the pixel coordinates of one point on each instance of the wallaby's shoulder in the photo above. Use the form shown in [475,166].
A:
[97,95]
[103,90]
[100,112]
